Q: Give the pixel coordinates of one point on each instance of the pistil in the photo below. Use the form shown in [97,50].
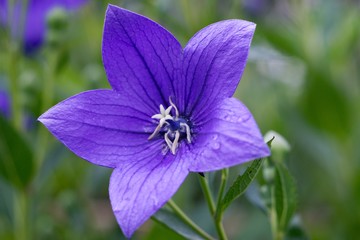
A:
[172,127]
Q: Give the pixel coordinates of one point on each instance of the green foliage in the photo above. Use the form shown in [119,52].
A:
[16,157]
[285,198]
[173,222]
[241,183]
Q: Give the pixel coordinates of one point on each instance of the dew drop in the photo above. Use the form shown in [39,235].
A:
[230,117]
[154,201]
[216,146]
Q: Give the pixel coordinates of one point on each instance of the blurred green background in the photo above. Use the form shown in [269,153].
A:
[302,80]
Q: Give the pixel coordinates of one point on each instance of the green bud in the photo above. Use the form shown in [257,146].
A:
[54,39]
[279,146]
[269,174]
[279,143]
[57,19]
[265,195]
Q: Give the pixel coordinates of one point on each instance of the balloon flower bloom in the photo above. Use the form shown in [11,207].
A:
[170,111]
[32,26]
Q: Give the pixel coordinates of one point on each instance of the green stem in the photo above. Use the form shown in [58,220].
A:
[14,47]
[49,80]
[276,232]
[13,67]
[21,216]
[208,196]
[224,177]
[211,204]
[187,220]
[46,101]
[219,212]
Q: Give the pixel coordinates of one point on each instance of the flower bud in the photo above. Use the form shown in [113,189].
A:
[279,146]
[269,174]
[57,19]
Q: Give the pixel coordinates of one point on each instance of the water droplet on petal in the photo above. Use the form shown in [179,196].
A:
[216,145]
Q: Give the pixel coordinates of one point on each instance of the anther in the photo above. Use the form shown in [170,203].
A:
[188,133]
[173,105]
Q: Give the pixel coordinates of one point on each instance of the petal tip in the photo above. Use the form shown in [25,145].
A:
[111,6]
[127,232]
[42,117]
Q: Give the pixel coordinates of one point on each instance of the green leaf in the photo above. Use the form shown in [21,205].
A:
[16,157]
[173,222]
[241,183]
[285,196]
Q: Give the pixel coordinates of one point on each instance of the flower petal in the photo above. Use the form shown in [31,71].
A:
[214,60]
[103,127]
[141,187]
[227,138]
[141,58]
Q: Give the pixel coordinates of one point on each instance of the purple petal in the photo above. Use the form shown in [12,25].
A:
[227,137]
[214,60]
[103,127]
[141,58]
[141,187]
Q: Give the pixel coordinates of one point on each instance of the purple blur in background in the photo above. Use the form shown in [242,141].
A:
[35,20]
[4,104]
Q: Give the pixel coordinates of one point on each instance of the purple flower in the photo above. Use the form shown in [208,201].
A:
[170,111]
[35,20]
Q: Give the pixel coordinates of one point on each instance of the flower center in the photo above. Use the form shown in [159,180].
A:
[172,128]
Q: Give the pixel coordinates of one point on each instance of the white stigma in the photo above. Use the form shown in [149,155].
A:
[162,117]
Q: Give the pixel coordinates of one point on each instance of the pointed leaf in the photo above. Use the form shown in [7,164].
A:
[285,196]
[174,223]
[241,183]
[16,157]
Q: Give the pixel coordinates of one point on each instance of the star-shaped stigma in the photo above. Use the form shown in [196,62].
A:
[162,117]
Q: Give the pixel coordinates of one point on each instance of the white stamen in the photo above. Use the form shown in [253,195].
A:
[173,105]
[167,140]
[175,143]
[156,131]
[188,133]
